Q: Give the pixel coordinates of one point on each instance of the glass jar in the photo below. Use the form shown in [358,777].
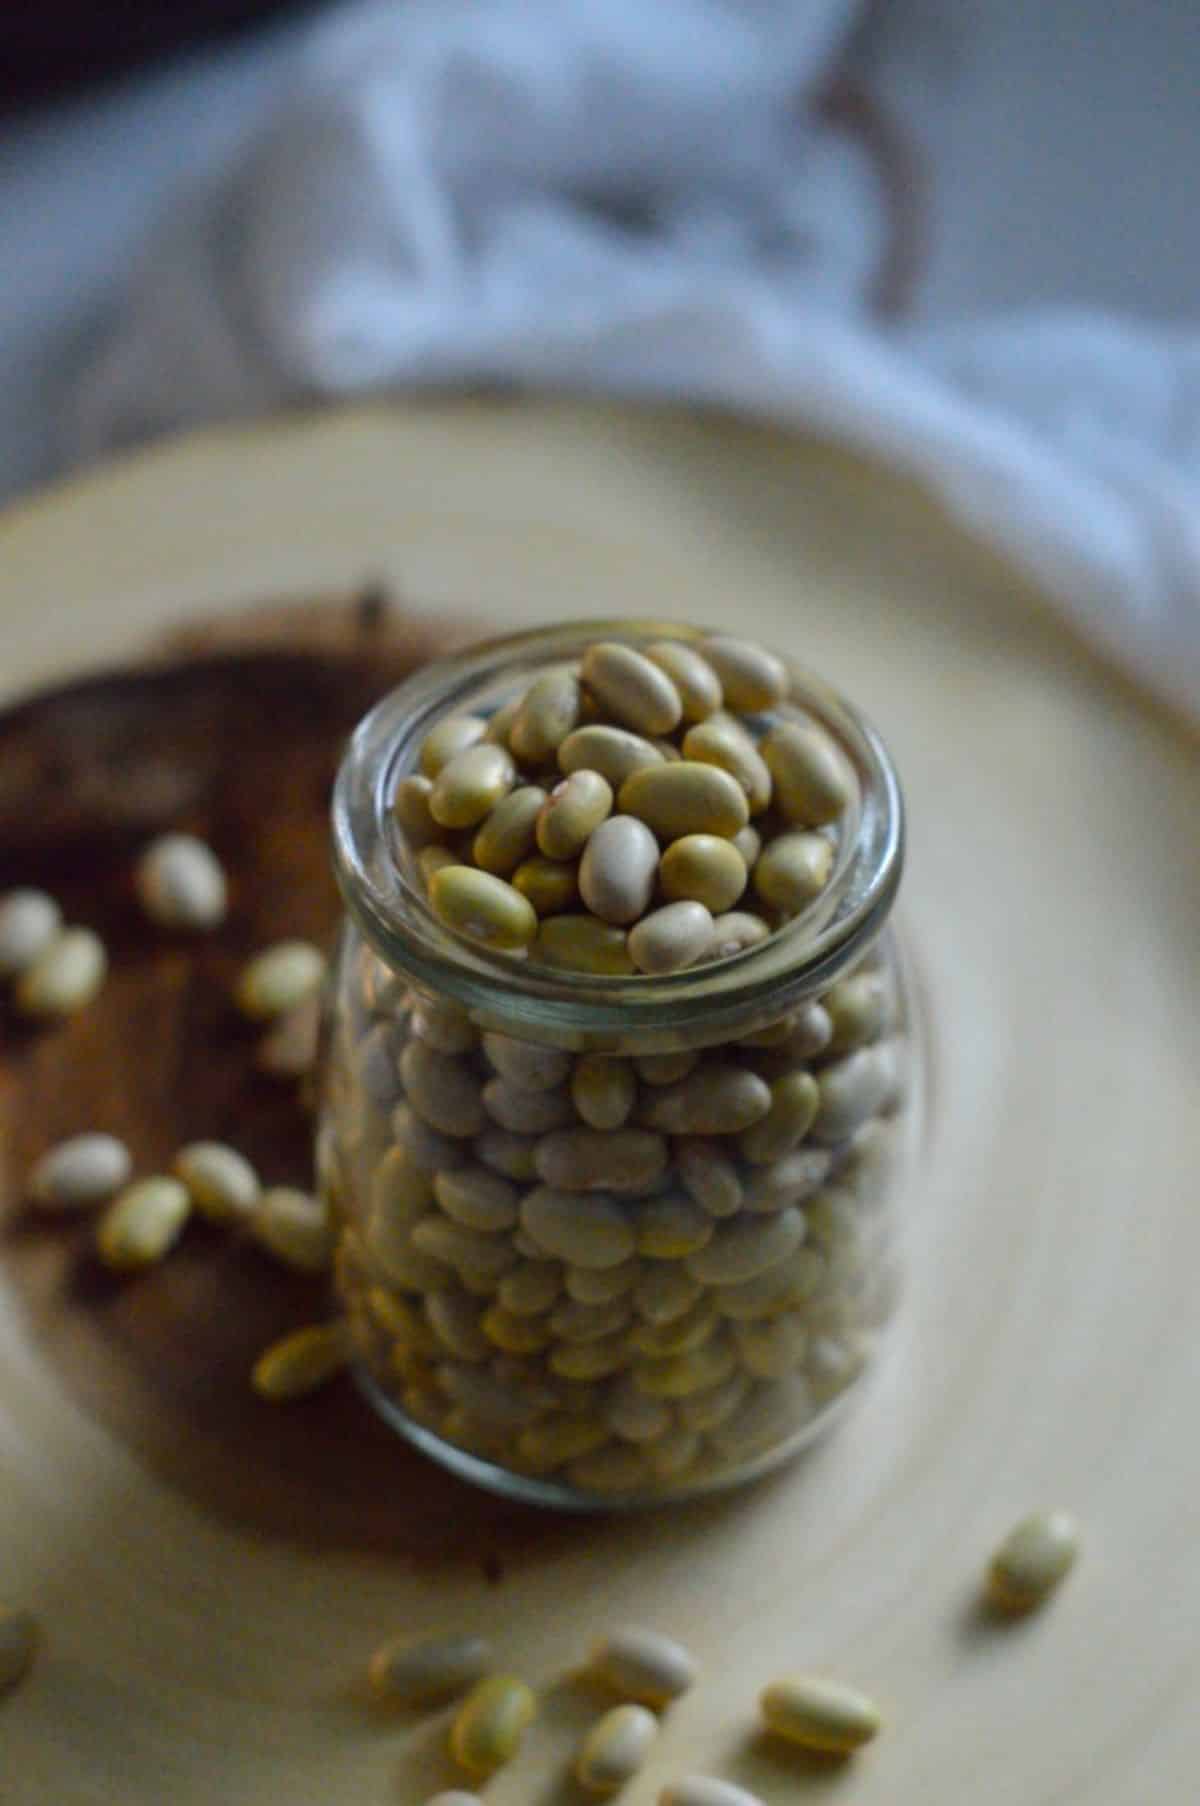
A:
[648,1330]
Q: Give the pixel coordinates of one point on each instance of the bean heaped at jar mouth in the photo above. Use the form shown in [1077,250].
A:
[636,1272]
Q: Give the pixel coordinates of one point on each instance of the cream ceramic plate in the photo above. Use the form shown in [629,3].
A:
[1050,1352]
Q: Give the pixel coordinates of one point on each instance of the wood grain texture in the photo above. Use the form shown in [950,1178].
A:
[1048,1351]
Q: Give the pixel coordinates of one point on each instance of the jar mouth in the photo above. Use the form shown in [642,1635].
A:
[758,984]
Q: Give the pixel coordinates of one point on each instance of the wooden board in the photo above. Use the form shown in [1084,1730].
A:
[199,1644]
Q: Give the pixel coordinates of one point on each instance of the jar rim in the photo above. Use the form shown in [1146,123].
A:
[760,983]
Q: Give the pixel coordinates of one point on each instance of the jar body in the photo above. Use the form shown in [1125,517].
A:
[666,1304]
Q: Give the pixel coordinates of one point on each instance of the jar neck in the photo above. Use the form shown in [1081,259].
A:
[708,1002]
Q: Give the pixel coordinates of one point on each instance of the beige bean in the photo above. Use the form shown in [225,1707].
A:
[180,883]
[470,785]
[790,1179]
[452,735]
[572,812]
[813,782]
[673,1453]
[716,1099]
[595,1285]
[749,843]
[781,1288]
[18,1646]
[618,869]
[792,869]
[443,1090]
[583,944]
[426,1147]
[432,860]
[617,1160]
[80,1172]
[456,1320]
[603,1090]
[575,1322]
[586,1229]
[611,1470]
[143,1223]
[476,1258]
[30,921]
[527,1112]
[707,1410]
[482,906]
[706,1790]
[697,684]
[428,1670]
[819,1714]
[670,1227]
[612,751]
[64,977]
[515,1334]
[1032,1560]
[633,1416]
[668,749]
[490,1724]
[615,1749]
[853,1089]
[550,885]
[294,1227]
[643,1665]
[678,1376]
[858,1010]
[736,931]
[680,1336]
[221,1183]
[665,1292]
[752,677]
[666,1068]
[705,869]
[794,1101]
[508,1153]
[529,1065]
[548,712]
[278,979]
[300,1363]
[811,1032]
[771,1350]
[670,938]
[477,1198]
[508,834]
[499,725]
[709,1176]
[631,688]
[685,798]
[747,1246]
[724,742]
[558,1440]
[443,1025]
[289,1048]
[593,1360]
[410,806]
[531,1288]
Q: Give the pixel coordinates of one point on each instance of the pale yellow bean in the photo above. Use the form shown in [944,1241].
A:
[603,1090]
[704,868]
[707,1410]
[531,1288]
[596,1359]
[735,931]
[752,677]
[526,1112]
[482,906]
[491,1723]
[221,1183]
[428,1670]
[586,1229]
[529,1065]
[666,1068]
[706,1790]
[618,869]
[499,725]
[1033,1559]
[820,1714]
[679,1376]
[294,1227]
[476,1258]
[410,806]
[278,979]
[431,860]
[681,1335]
[572,812]
[65,976]
[685,798]
[443,1025]
[643,1665]
[858,1010]
[795,1099]
[696,682]
[749,843]
[616,1160]
[180,883]
[771,1350]
[18,1646]
[813,782]
[477,1198]
[592,1285]
[575,1322]
[747,1246]
[665,1292]
[30,921]
[788,1180]
[615,1749]
[716,1099]
[289,1048]
[670,938]
[508,1153]
[470,785]
[670,1227]
[724,742]
[631,688]
[143,1223]
[452,735]
[508,834]
[792,869]
[80,1172]
[852,1090]
[709,1176]
[547,713]
[550,885]
[583,944]
[513,1333]
[298,1364]
[612,751]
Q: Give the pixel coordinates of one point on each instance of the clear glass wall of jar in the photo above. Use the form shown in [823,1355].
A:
[680,1310]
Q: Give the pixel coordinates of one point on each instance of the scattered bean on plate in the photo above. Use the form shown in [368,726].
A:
[820,1714]
[180,883]
[1034,1558]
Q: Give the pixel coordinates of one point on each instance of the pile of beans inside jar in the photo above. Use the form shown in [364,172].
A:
[638,1271]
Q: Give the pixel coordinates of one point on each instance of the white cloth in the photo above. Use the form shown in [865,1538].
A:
[637,198]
